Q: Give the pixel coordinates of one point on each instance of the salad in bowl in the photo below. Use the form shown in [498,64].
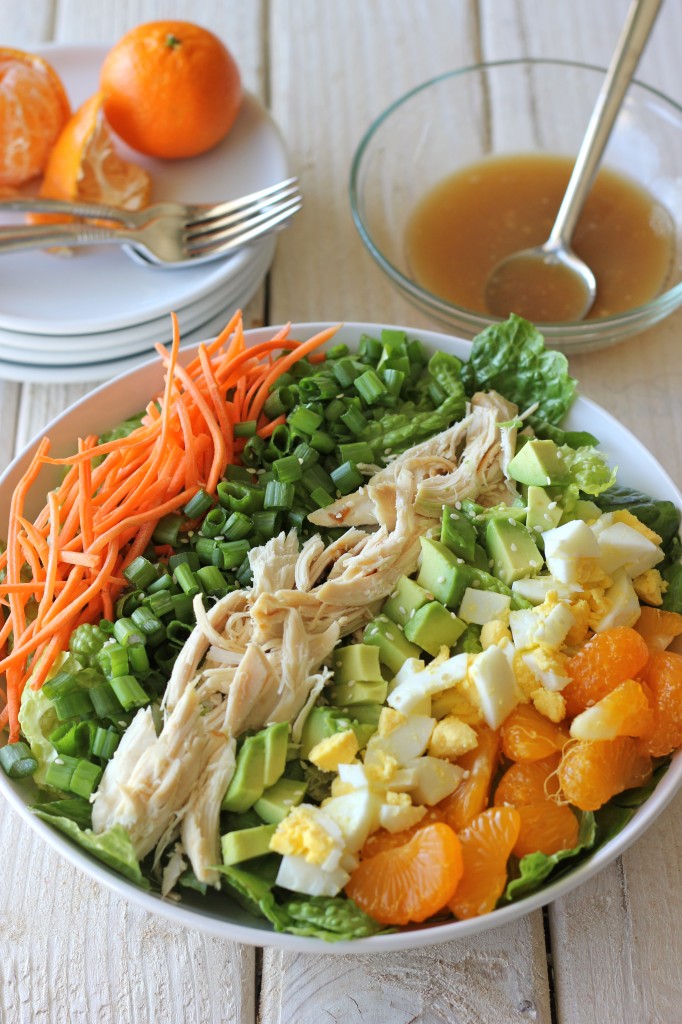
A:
[355,638]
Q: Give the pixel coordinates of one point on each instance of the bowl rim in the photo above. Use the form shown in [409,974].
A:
[627,321]
[408,938]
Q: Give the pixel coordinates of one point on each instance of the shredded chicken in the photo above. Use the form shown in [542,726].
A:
[260,655]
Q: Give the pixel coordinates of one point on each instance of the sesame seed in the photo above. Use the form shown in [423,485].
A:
[559,455]
[475,583]
[512,521]
[549,480]
[58,760]
[552,504]
[387,451]
[453,516]
[547,516]
[412,613]
[514,547]
[403,611]
[390,636]
[533,564]
[441,579]
[458,505]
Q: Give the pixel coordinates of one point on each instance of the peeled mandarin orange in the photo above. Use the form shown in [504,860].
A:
[606,660]
[592,771]
[412,881]
[546,827]
[623,712]
[529,783]
[473,794]
[33,110]
[658,627]
[84,165]
[663,676]
[529,736]
[171,89]
[487,842]
[382,839]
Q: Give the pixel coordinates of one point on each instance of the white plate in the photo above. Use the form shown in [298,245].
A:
[100,288]
[219,915]
[49,350]
[84,372]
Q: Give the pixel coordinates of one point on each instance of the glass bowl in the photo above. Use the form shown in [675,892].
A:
[512,107]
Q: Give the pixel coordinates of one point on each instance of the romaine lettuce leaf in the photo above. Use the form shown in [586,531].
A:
[672,599]
[113,847]
[534,868]
[660,516]
[77,808]
[589,469]
[511,358]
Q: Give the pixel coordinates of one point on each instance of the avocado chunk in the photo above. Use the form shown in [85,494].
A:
[407,598]
[433,627]
[583,509]
[276,748]
[442,573]
[394,648]
[359,691]
[458,533]
[246,843]
[247,782]
[356,661]
[321,723]
[277,801]
[543,512]
[512,550]
[539,462]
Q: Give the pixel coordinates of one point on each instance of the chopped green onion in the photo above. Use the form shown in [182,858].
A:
[253,451]
[114,660]
[356,452]
[105,742]
[337,351]
[303,420]
[213,581]
[346,477]
[279,496]
[76,704]
[245,574]
[104,701]
[321,497]
[17,760]
[177,632]
[129,692]
[85,778]
[346,370]
[238,474]
[369,386]
[306,455]
[322,442]
[315,476]
[60,684]
[287,469]
[164,582]
[60,771]
[319,388]
[237,526]
[128,603]
[274,405]
[233,553]
[167,529]
[239,497]
[126,632]
[140,573]
[394,380]
[189,558]
[214,521]
[416,352]
[186,579]
[206,548]
[139,661]
[280,441]
[266,525]
[149,625]
[369,349]
[71,738]
[245,429]
[160,603]
[198,505]
[335,410]
[354,420]
[182,607]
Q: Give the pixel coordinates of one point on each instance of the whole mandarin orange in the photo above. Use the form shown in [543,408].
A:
[170,89]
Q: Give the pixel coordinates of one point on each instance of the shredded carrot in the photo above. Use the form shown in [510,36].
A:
[104,511]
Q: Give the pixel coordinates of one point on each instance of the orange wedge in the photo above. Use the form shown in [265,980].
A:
[85,166]
[34,108]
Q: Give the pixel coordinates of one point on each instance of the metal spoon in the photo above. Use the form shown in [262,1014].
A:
[549,282]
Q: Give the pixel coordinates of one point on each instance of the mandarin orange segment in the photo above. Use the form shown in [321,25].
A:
[623,712]
[530,783]
[663,676]
[546,828]
[33,110]
[171,89]
[658,627]
[592,771]
[487,843]
[529,736]
[382,839]
[84,165]
[473,794]
[606,660]
[410,882]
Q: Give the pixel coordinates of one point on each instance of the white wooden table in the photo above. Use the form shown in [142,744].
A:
[609,953]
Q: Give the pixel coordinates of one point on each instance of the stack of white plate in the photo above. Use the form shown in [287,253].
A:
[94,313]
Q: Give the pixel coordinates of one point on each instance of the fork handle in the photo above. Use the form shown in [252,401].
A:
[40,237]
[72,209]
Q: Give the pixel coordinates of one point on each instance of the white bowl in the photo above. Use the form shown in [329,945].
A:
[217,914]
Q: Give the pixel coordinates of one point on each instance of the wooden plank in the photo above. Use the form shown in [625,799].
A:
[497,976]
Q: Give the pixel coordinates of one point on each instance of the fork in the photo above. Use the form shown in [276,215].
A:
[167,234]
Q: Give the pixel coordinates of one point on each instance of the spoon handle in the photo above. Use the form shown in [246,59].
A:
[633,38]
